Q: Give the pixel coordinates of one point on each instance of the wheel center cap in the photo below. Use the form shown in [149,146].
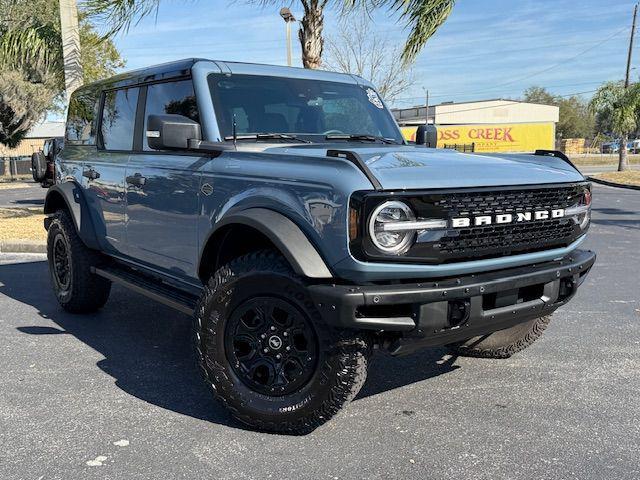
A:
[275,342]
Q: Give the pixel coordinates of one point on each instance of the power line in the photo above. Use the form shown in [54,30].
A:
[507,102]
[470,94]
[563,62]
[511,82]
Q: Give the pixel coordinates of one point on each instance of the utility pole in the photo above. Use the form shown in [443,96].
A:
[426,106]
[70,46]
[288,18]
[623,161]
[633,32]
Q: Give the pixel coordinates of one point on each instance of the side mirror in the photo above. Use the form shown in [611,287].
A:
[171,132]
[427,135]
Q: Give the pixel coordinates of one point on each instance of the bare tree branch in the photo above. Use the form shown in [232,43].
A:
[359,49]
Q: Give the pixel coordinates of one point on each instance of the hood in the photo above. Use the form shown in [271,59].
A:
[399,167]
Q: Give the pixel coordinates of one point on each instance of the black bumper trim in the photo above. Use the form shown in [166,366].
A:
[425,303]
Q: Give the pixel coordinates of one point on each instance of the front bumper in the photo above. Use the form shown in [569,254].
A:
[439,312]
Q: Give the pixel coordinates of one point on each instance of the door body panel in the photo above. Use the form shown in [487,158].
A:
[103,183]
[162,211]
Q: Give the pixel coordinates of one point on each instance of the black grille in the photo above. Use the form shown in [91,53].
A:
[508,237]
[483,240]
[510,200]
[477,242]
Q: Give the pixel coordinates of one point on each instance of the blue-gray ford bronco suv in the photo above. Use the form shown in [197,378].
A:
[283,209]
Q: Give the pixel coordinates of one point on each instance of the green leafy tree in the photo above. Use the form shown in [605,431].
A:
[620,107]
[422,18]
[539,95]
[576,120]
[31,65]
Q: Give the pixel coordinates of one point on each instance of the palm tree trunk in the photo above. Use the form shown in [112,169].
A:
[623,163]
[310,33]
[70,45]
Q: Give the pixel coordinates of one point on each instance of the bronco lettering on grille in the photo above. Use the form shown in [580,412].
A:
[503,218]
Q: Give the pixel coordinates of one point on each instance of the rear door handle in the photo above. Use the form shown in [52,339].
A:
[137,180]
[91,174]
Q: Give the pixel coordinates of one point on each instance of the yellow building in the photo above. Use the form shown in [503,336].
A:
[491,125]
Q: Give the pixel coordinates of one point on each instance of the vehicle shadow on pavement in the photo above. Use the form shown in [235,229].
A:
[147,346]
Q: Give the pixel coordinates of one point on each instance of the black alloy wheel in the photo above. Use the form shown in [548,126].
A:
[271,346]
[77,288]
[265,351]
[61,263]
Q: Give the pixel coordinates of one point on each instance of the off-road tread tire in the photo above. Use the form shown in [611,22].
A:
[38,167]
[89,292]
[504,343]
[351,350]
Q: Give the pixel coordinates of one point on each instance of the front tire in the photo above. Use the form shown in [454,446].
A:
[70,260]
[503,343]
[265,352]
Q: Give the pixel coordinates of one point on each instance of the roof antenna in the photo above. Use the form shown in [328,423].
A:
[235,132]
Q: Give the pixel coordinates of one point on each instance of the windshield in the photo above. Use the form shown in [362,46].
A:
[309,109]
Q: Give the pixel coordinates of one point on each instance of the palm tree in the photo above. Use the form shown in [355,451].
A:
[620,105]
[33,68]
[70,33]
[29,78]
[423,17]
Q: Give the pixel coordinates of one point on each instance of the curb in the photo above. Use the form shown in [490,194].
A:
[22,246]
[613,184]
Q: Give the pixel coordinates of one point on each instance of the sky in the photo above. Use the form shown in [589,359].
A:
[486,49]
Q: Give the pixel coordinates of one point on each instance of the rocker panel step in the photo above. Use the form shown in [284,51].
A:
[150,287]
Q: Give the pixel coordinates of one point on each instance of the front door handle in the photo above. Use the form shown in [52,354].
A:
[91,174]
[137,180]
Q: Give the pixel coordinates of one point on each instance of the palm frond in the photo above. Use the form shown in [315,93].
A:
[423,17]
[621,105]
[35,50]
[119,15]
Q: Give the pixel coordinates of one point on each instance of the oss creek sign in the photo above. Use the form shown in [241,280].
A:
[508,137]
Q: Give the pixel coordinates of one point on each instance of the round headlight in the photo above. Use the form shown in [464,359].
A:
[387,241]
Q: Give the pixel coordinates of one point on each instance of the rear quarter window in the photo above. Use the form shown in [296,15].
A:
[81,119]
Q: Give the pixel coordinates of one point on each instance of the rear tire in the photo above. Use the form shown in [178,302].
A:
[70,260]
[503,343]
[265,352]
[38,167]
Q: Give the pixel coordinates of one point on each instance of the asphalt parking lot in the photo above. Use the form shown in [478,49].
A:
[116,396]
[24,195]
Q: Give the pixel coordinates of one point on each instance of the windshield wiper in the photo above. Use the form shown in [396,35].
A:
[361,137]
[267,136]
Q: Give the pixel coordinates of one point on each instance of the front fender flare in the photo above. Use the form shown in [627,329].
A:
[285,235]
[70,194]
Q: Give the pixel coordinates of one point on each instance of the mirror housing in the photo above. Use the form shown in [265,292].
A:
[172,132]
[427,135]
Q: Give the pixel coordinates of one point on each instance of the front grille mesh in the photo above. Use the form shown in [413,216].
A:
[516,237]
[510,201]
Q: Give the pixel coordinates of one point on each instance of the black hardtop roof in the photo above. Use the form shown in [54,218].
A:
[182,68]
[163,71]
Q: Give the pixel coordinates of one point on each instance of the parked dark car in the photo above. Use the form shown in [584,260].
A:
[43,161]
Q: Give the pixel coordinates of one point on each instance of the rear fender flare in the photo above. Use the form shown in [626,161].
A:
[70,194]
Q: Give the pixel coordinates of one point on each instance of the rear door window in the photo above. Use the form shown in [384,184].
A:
[81,120]
[170,98]
[119,118]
